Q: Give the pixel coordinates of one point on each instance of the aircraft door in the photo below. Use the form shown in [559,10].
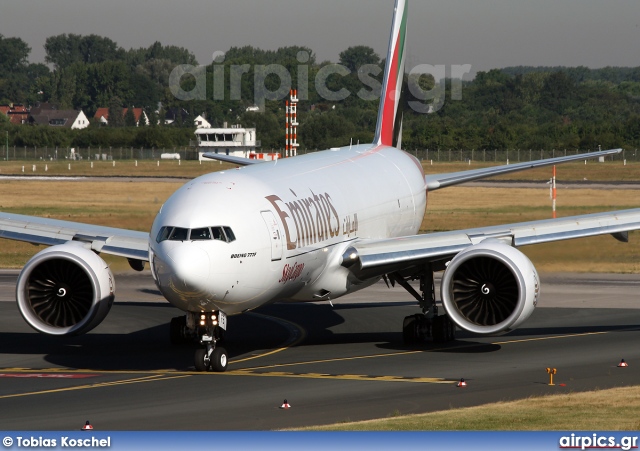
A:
[274,234]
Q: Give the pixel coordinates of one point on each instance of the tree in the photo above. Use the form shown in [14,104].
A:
[153,118]
[14,53]
[63,50]
[108,80]
[130,118]
[557,92]
[116,118]
[355,57]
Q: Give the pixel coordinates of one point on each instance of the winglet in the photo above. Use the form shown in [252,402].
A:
[389,124]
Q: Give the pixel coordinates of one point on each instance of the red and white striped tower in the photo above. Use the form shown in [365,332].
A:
[286,146]
[553,188]
[293,109]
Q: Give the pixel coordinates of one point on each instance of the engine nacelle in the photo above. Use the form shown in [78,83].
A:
[490,288]
[65,290]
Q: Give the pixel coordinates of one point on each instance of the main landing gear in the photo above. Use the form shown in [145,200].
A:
[207,329]
[416,328]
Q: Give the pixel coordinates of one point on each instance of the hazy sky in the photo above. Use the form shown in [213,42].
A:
[484,33]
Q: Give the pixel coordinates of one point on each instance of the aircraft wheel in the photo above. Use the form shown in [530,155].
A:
[410,330]
[443,330]
[451,329]
[201,360]
[438,329]
[218,361]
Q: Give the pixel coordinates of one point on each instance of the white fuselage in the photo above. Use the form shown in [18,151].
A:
[291,221]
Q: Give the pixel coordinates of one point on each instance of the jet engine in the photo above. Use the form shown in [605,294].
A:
[65,290]
[490,288]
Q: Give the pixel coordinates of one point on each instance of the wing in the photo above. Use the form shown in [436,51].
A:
[370,258]
[437,181]
[121,242]
[231,159]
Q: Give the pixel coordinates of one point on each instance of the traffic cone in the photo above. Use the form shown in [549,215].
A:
[462,383]
[87,426]
[622,364]
[285,405]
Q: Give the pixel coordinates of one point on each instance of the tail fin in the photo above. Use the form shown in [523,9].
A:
[389,125]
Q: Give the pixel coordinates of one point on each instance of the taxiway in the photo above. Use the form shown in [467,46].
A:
[337,363]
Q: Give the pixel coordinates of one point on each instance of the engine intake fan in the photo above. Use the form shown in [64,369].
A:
[65,290]
[490,288]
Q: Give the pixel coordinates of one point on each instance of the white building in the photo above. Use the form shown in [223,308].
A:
[72,119]
[236,141]
[201,122]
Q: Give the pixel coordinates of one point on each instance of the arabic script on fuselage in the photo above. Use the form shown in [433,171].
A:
[311,220]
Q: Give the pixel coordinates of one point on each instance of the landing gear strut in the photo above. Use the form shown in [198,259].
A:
[416,328]
[208,330]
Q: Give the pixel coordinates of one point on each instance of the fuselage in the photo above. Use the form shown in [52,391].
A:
[239,239]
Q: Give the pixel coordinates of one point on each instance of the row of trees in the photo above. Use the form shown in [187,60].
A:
[519,107]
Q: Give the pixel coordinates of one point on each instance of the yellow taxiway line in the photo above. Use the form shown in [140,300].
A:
[263,371]
[153,378]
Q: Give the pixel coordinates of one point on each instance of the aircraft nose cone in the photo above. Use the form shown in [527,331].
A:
[189,263]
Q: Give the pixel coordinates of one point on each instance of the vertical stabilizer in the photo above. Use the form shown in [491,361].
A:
[389,125]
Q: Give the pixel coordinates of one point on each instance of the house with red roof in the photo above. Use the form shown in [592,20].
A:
[102,116]
[17,114]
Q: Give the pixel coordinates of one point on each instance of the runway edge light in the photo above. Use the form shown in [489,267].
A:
[87,426]
[622,364]
[285,405]
[462,383]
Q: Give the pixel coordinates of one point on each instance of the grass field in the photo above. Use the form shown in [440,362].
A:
[134,205]
[610,171]
[616,409]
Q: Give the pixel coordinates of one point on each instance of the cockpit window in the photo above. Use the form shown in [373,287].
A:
[200,234]
[218,234]
[230,236]
[163,234]
[179,234]
[221,233]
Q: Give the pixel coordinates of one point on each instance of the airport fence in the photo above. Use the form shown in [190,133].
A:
[190,153]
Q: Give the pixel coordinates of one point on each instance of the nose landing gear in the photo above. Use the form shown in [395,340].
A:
[211,358]
[209,329]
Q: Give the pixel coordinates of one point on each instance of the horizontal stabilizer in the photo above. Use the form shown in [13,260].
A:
[240,161]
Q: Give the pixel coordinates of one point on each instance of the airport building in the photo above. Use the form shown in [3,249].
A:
[236,141]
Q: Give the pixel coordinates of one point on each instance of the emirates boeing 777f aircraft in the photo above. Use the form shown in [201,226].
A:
[309,228]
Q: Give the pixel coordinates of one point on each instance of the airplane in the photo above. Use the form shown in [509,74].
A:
[309,228]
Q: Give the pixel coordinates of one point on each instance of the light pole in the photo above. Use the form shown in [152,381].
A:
[6,157]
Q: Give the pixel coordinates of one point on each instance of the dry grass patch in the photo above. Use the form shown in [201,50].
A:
[129,205]
[610,171]
[122,168]
[464,207]
[616,409]
[133,205]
